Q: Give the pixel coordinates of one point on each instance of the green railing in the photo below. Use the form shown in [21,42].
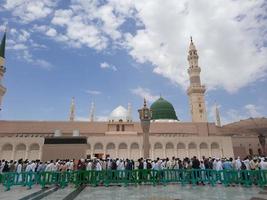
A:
[135,177]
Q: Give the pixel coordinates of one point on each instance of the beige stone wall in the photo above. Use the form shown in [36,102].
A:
[117,146]
[14,148]
[63,151]
[181,135]
[160,146]
[45,128]
[243,144]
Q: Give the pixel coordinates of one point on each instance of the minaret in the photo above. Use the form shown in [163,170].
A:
[196,91]
[2,68]
[217,115]
[129,115]
[72,110]
[92,112]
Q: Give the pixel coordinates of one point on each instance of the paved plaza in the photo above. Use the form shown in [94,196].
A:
[145,192]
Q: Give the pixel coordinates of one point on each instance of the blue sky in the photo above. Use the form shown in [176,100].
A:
[115,52]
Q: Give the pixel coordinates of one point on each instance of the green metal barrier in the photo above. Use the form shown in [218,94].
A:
[246,178]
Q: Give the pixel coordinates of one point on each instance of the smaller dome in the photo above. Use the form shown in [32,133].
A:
[163,110]
[118,114]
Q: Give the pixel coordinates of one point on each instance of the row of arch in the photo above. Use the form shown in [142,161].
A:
[134,150]
[15,152]
[121,150]
[157,145]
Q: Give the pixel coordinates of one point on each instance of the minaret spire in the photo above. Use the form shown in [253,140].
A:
[144,102]
[2,67]
[92,112]
[196,91]
[129,117]
[217,115]
[72,110]
[3,46]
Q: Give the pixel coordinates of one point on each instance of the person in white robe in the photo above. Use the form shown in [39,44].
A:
[18,171]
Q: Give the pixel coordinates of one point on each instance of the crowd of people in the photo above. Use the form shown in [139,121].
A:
[249,163]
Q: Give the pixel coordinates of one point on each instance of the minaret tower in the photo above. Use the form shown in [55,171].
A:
[2,68]
[72,110]
[129,115]
[196,91]
[217,115]
[92,112]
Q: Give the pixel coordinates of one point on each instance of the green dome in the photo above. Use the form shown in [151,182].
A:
[162,109]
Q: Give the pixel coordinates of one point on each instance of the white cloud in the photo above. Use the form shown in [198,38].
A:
[253,110]
[93,24]
[93,92]
[80,118]
[101,118]
[106,65]
[97,118]
[144,93]
[20,42]
[229,35]
[51,32]
[30,10]
[233,115]
[42,64]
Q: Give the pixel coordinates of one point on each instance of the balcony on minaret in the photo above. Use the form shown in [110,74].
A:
[196,88]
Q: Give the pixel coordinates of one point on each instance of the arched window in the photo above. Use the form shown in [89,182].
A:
[203,145]
[158,146]
[214,145]
[98,146]
[180,146]
[169,145]
[122,127]
[134,146]
[7,147]
[21,147]
[123,146]
[34,147]
[111,146]
[192,146]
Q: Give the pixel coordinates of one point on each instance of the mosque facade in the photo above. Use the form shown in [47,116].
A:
[121,137]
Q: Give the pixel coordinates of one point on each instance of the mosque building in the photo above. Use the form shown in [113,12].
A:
[121,137]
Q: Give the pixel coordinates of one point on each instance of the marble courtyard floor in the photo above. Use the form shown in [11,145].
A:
[144,192]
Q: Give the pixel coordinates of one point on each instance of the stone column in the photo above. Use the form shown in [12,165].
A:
[128,151]
[27,152]
[13,153]
[187,152]
[145,117]
[105,151]
[117,152]
[198,153]
[209,151]
[145,126]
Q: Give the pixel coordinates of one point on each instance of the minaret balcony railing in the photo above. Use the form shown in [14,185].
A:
[196,89]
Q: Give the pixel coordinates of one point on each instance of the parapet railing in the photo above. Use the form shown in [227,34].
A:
[135,177]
